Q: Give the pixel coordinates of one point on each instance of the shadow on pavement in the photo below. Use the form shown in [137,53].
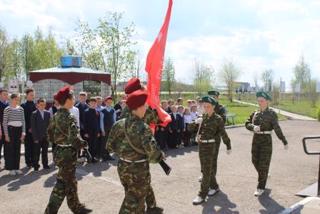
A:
[219,204]
[270,205]
[181,151]
[26,178]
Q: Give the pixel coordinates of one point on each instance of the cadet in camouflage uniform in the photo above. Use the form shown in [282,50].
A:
[208,134]
[220,110]
[63,133]
[261,123]
[132,141]
[150,116]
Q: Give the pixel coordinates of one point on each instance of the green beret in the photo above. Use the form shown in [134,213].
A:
[207,99]
[214,93]
[263,94]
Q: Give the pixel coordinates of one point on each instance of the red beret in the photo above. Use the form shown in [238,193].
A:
[108,98]
[136,99]
[133,85]
[63,93]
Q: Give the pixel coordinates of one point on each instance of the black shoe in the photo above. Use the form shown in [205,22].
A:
[94,160]
[46,167]
[155,210]
[36,169]
[109,158]
[83,210]
[29,166]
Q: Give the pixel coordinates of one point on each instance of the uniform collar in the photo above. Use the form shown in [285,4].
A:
[134,117]
[63,110]
[267,109]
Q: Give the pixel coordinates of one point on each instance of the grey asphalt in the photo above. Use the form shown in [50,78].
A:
[100,189]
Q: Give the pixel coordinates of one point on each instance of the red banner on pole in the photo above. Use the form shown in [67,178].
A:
[154,63]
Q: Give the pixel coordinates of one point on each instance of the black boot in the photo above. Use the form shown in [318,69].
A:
[154,210]
[83,210]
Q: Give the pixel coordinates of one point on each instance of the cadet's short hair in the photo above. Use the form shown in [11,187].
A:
[29,90]
[41,100]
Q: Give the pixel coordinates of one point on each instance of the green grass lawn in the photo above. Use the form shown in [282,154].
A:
[302,106]
[242,111]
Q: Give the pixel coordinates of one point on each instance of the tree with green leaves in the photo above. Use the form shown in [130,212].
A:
[109,47]
[203,78]
[302,75]
[229,74]
[117,43]
[168,76]
[14,66]
[39,51]
[3,51]
[313,95]
[267,78]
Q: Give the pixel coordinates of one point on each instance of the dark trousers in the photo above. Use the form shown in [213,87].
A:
[40,147]
[93,145]
[261,157]
[186,136]
[104,153]
[12,148]
[162,138]
[28,150]
[174,139]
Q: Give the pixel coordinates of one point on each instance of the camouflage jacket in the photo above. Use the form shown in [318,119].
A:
[268,121]
[212,127]
[151,115]
[140,136]
[63,130]
[222,111]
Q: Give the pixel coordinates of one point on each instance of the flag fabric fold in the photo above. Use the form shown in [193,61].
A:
[154,62]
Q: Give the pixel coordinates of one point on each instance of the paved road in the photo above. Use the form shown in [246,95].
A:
[100,189]
[285,113]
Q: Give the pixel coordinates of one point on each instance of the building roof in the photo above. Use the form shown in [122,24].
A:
[70,69]
[71,75]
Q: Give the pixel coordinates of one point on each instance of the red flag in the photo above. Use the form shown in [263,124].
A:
[154,63]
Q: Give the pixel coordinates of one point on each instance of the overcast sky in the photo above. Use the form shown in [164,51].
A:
[255,34]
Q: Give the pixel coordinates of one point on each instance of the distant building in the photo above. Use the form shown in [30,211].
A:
[242,87]
[47,82]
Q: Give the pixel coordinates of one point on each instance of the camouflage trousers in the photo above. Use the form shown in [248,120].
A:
[66,185]
[136,180]
[208,154]
[261,157]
